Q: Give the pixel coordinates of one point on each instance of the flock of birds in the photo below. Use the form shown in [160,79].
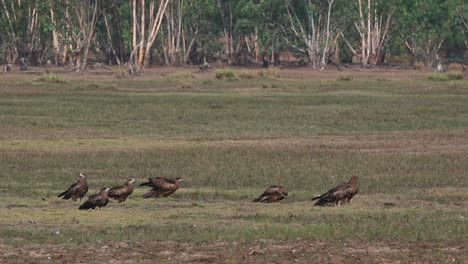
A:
[162,186]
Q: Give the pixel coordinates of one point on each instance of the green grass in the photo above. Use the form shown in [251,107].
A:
[436,76]
[405,137]
[51,78]
[226,115]
[227,221]
[346,77]
[455,75]
[226,73]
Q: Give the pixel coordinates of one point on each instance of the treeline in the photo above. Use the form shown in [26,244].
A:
[238,32]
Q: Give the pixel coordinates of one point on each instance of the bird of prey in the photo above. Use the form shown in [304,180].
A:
[121,192]
[162,186]
[98,200]
[274,193]
[77,190]
[343,193]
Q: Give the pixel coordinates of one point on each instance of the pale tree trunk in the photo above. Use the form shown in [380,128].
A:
[143,34]
[142,31]
[22,36]
[427,52]
[79,21]
[251,43]
[13,45]
[227,30]
[86,16]
[55,36]
[373,35]
[325,49]
[256,46]
[172,41]
[109,39]
[312,35]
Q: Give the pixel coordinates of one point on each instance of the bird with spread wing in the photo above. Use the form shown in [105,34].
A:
[161,186]
[274,193]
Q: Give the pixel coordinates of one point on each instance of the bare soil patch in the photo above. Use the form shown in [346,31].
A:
[261,251]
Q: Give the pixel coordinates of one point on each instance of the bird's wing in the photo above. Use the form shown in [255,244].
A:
[340,193]
[272,190]
[74,188]
[118,191]
[168,180]
[95,198]
[164,183]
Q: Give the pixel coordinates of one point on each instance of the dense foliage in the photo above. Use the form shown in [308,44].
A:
[239,32]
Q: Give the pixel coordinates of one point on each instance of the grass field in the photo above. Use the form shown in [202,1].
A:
[403,134]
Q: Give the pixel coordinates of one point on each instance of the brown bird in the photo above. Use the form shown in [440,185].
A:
[162,186]
[274,193]
[121,192]
[77,190]
[343,193]
[98,200]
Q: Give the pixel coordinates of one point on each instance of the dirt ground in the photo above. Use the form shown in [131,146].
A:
[262,251]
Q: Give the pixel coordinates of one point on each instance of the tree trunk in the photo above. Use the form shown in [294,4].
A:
[142,43]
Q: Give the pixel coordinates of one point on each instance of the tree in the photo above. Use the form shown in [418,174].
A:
[26,30]
[145,31]
[424,25]
[202,29]
[372,23]
[310,22]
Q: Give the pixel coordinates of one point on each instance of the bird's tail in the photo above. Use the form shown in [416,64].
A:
[317,197]
[149,194]
[320,202]
[64,194]
[261,198]
[146,184]
[86,206]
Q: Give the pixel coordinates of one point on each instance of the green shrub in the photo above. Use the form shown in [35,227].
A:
[437,76]
[51,78]
[455,75]
[271,72]
[346,77]
[246,75]
[207,82]
[225,73]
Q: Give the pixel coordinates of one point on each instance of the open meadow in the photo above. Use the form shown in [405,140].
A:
[405,135]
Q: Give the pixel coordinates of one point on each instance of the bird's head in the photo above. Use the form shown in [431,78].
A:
[130,180]
[179,179]
[105,189]
[82,175]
